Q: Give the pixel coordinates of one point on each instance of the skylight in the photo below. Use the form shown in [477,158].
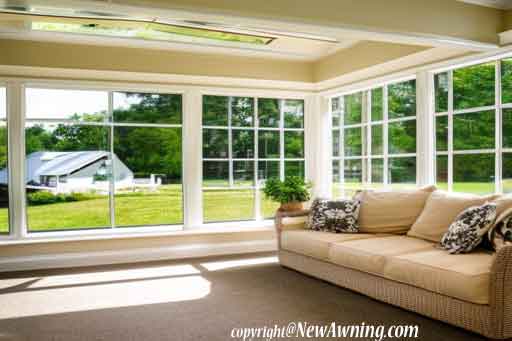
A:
[140,30]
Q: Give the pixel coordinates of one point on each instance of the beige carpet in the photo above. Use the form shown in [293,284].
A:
[200,299]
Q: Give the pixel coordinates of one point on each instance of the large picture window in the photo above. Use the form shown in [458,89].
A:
[374,138]
[4,175]
[93,165]
[469,156]
[246,141]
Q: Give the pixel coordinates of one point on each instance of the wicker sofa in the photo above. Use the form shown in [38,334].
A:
[472,291]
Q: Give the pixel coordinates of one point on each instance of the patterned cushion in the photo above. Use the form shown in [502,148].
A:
[334,215]
[501,233]
[468,229]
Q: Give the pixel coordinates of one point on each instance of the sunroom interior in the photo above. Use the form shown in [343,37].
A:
[172,114]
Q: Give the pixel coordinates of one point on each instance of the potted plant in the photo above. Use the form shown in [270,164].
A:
[290,193]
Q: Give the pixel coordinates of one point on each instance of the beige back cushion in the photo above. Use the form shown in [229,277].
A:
[388,211]
[440,211]
[503,203]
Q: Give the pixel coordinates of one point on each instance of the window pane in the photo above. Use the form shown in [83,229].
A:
[243,173]
[294,144]
[377,171]
[441,91]
[131,107]
[293,113]
[294,168]
[215,110]
[268,112]
[268,170]
[147,170]
[402,137]
[336,143]
[442,133]
[68,172]
[507,172]
[377,104]
[442,172]
[4,174]
[402,99]
[335,110]
[402,170]
[242,112]
[228,205]
[473,131]
[268,207]
[473,86]
[506,80]
[336,179]
[268,144]
[215,173]
[353,173]
[353,108]
[353,142]
[215,143]
[243,144]
[377,142]
[473,173]
[507,128]
[79,105]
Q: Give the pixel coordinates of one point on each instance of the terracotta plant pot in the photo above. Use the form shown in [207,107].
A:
[292,206]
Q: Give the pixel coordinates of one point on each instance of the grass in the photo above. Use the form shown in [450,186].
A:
[164,207]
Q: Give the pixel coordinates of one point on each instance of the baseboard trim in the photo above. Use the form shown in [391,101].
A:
[66,260]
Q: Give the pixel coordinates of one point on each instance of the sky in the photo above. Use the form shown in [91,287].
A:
[3,103]
[61,104]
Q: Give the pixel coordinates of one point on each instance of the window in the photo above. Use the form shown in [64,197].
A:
[92,166]
[246,141]
[467,151]
[374,138]
[4,175]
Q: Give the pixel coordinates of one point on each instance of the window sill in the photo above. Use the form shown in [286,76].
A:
[141,232]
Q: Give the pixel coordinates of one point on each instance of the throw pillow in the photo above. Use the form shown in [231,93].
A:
[501,233]
[468,229]
[334,215]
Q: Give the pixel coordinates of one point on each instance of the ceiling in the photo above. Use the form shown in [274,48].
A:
[17,20]
[500,4]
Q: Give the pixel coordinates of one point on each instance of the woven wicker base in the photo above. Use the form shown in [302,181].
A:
[474,317]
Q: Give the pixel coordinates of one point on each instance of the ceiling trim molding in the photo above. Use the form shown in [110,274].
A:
[499,4]
[14,72]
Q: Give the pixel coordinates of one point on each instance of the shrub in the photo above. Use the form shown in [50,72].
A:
[46,198]
[292,189]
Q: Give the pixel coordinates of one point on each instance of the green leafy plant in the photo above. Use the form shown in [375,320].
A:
[45,197]
[292,189]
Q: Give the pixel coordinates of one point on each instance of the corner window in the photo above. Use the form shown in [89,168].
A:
[374,138]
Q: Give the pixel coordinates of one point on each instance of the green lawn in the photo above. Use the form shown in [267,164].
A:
[163,207]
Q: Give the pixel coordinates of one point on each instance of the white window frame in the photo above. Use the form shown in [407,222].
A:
[191,149]
[366,134]
[257,184]
[498,149]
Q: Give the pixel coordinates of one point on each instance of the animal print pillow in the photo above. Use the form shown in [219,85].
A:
[468,229]
[336,216]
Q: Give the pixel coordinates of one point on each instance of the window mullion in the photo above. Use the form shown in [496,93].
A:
[450,131]
[498,131]
[342,146]
[281,140]
[112,187]
[230,143]
[367,110]
[385,125]
[257,194]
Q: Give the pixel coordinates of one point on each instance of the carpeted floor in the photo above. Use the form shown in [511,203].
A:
[200,299]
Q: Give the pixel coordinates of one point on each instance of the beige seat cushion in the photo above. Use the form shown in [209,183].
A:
[440,211]
[465,277]
[315,243]
[369,255]
[391,211]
